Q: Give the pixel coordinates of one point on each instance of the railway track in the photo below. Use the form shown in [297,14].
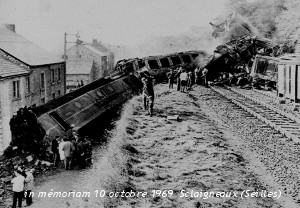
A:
[281,121]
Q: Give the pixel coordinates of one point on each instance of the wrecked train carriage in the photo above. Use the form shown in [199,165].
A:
[236,56]
[85,107]
[264,71]
[288,85]
[159,65]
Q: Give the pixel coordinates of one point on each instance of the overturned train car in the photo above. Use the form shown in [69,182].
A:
[84,108]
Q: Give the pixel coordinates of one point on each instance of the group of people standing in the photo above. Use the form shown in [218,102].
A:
[22,186]
[184,79]
[71,151]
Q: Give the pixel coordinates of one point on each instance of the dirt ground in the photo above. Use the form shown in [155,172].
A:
[196,154]
[193,162]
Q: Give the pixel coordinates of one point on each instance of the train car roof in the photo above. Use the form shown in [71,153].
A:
[69,96]
[174,54]
[292,58]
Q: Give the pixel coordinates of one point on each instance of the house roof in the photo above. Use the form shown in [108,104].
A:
[79,66]
[99,46]
[9,69]
[91,48]
[25,50]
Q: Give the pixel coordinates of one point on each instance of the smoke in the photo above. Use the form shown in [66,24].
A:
[195,39]
[232,26]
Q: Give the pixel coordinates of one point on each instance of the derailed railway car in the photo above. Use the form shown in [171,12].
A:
[264,71]
[159,65]
[85,107]
[288,85]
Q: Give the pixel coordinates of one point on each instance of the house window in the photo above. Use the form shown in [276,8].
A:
[58,74]
[42,80]
[16,90]
[52,75]
[53,95]
[58,93]
[43,100]
[27,85]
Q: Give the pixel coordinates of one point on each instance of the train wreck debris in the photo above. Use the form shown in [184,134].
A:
[27,134]
[232,61]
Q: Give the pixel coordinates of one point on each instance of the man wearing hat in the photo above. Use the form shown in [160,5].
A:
[28,186]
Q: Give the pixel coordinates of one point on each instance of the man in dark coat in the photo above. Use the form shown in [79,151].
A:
[148,92]
[81,153]
[171,76]
[177,75]
[55,151]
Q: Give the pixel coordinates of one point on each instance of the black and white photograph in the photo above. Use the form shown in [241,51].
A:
[149,103]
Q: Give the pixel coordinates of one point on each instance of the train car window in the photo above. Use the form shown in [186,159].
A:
[108,90]
[186,59]
[194,55]
[262,65]
[141,63]
[99,94]
[129,67]
[153,64]
[165,62]
[77,104]
[175,60]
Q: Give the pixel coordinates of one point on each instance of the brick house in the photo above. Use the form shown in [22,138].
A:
[29,76]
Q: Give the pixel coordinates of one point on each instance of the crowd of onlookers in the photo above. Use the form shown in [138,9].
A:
[71,152]
[186,77]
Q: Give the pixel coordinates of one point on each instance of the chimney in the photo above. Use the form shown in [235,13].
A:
[78,42]
[11,27]
[94,40]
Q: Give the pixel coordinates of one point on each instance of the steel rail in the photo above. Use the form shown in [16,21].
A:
[284,123]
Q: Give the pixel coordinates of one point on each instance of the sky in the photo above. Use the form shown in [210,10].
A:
[118,22]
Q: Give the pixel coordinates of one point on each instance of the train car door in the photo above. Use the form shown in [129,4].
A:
[285,81]
[293,82]
[289,84]
[297,84]
[280,80]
